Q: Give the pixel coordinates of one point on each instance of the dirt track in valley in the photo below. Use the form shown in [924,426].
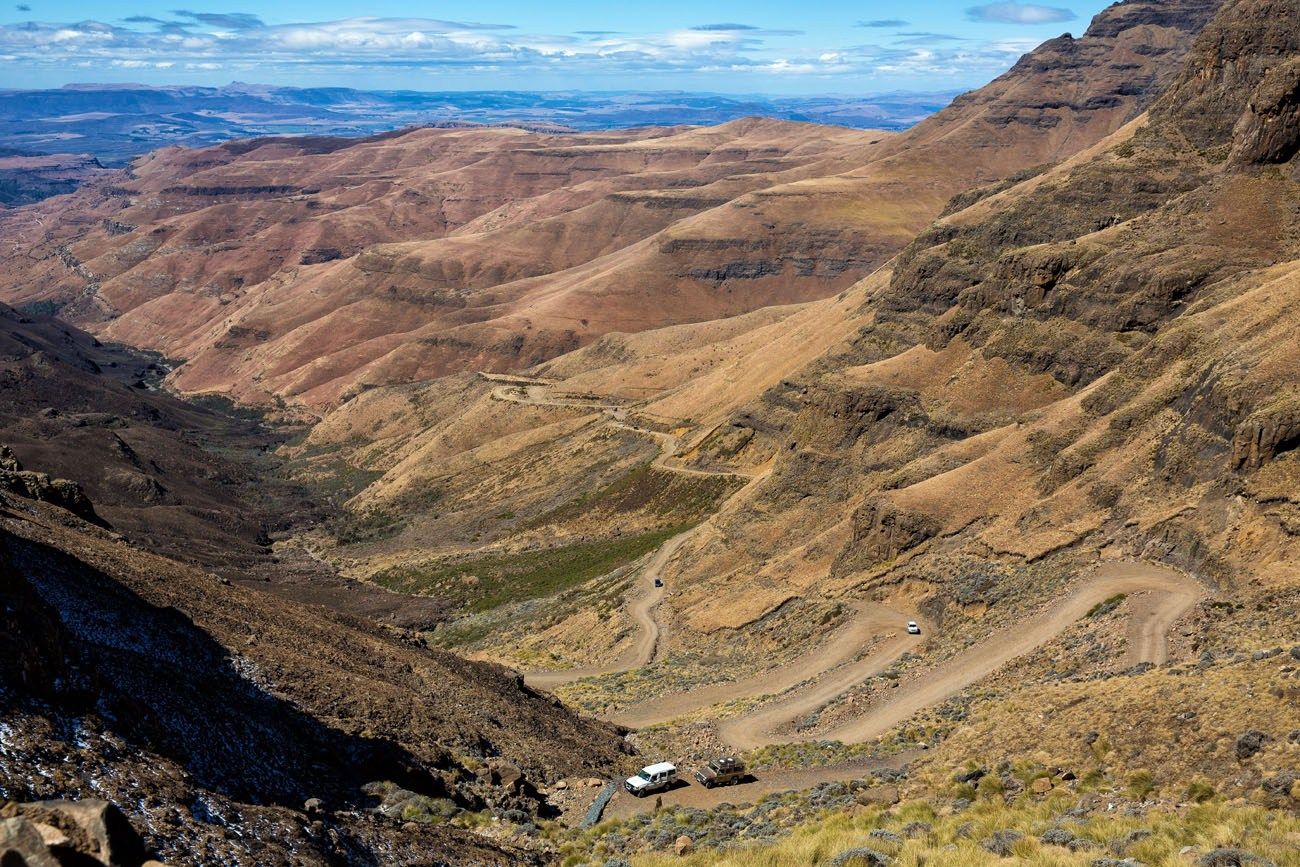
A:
[867,623]
[871,642]
[641,610]
[758,784]
[874,640]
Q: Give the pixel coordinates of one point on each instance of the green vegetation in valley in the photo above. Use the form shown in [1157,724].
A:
[482,583]
[332,478]
[371,525]
[646,488]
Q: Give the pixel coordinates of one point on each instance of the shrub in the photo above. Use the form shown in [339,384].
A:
[990,786]
[1199,791]
[1140,785]
[858,857]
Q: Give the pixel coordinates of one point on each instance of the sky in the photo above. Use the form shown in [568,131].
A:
[720,46]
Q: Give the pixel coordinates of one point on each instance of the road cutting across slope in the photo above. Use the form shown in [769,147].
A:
[851,652]
[531,391]
[528,391]
[872,641]
[641,610]
[1170,595]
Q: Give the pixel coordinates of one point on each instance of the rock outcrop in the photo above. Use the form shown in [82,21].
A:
[39,486]
[1269,129]
[68,834]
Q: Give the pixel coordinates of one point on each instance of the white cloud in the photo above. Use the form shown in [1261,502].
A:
[1013,12]
[211,41]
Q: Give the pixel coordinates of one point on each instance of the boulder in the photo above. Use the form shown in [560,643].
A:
[506,775]
[94,827]
[21,844]
[684,845]
[1041,786]
[39,486]
[1250,742]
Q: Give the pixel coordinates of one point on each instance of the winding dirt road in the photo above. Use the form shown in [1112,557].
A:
[868,623]
[1168,595]
[538,392]
[871,642]
[641,609]
[874,640]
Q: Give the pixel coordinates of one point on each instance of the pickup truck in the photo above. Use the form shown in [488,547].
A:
[651,778]
[725,771]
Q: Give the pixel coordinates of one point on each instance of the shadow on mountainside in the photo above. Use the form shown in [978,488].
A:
[74,637]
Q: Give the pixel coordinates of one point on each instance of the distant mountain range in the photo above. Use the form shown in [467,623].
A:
[116,122]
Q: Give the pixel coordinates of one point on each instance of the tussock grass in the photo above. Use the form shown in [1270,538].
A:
[955,840]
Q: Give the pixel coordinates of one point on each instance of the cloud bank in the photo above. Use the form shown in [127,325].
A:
[245,46]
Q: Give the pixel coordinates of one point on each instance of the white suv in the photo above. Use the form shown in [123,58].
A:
[651,778]
[912,628]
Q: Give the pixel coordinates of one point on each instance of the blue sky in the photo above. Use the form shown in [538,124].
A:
[822,46]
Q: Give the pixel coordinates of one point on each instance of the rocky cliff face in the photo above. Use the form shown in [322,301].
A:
[1147,286]
[39,486]
[28,179]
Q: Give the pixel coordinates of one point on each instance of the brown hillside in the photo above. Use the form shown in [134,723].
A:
[1089,364]
[303,270]
[128,676]
[484,457]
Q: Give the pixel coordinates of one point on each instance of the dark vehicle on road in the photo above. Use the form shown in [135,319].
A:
[725,771]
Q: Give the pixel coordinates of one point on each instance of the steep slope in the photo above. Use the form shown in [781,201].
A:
[93,413]
[1092,364]
[305,270]
[485,458]
[212,712]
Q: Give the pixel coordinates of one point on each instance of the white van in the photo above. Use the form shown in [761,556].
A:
[651,778]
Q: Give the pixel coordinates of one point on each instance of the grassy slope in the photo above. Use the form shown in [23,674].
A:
[957,840]
[483,583]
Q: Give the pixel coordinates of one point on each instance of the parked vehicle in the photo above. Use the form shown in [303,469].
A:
[912,628]
[724,771]
[651,778]
[659,582]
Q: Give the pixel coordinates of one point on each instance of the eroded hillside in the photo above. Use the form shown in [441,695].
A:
[1024,375]
[475,470]
[1068,372]
[306,269]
